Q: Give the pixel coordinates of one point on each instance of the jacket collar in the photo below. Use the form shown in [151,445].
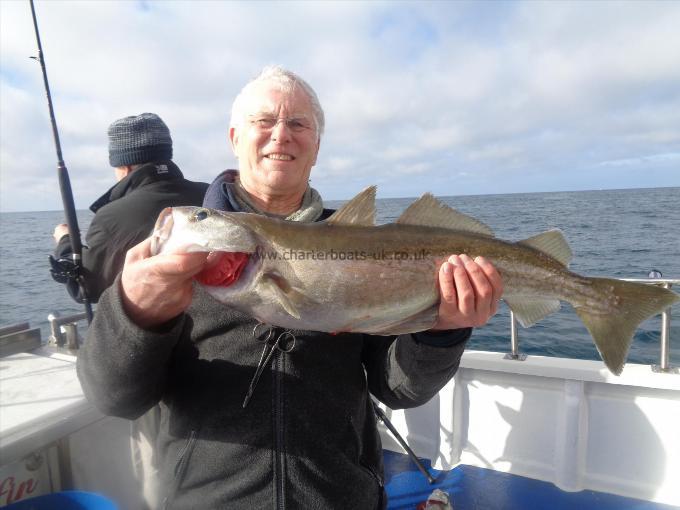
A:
[146,174]
[220,195]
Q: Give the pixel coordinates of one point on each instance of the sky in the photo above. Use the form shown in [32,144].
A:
[454,98]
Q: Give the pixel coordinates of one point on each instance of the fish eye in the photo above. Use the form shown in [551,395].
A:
[201,215]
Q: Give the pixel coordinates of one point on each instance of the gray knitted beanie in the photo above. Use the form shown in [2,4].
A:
[139,139]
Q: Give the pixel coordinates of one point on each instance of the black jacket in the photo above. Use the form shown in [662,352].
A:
[124,216]
[308,438]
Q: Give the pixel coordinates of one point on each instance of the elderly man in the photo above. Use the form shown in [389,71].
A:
[308,437]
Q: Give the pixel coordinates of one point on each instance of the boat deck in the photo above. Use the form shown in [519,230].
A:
[474,488]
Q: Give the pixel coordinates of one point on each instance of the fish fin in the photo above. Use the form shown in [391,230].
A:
[283,292]
[419,321]
[427,211]
[358,211]
[530,310]
[627,305]
[552,243]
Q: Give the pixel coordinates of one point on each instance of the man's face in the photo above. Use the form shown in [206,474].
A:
[276,160]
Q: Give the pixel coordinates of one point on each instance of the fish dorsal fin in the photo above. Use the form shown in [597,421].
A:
[427,211]
[358,211]
[552,243]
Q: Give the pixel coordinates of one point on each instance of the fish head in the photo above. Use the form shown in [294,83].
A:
[198,229]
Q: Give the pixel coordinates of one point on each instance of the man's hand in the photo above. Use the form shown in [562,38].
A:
[159,288]
[60,231]
[469,290]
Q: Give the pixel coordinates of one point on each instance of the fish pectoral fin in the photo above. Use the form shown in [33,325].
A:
[288,297]
[427,211]
[552,243]
[530,310]
[359,211]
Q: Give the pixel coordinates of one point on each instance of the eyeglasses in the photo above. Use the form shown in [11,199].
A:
[267,123]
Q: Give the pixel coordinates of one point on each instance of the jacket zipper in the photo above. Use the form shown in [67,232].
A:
[180,467]
[279,457]
[379,483]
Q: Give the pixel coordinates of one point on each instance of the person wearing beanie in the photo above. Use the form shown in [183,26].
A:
[140,151]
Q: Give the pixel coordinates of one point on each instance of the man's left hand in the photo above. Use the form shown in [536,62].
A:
[470,291]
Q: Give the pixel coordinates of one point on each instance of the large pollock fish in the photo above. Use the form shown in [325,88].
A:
[346,274]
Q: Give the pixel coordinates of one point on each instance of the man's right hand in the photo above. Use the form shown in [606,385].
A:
[156,289]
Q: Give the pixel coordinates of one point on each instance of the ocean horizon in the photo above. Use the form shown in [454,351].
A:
[339,201]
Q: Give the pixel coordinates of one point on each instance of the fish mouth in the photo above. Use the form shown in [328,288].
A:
[223,268]
[162,230]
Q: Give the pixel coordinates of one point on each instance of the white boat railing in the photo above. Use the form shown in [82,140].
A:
[664,365]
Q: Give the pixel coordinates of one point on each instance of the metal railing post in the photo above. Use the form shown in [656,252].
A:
[514,341]
[664,353]
[55,330]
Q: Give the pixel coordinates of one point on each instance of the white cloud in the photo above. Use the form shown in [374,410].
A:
[672,157]
[451,97]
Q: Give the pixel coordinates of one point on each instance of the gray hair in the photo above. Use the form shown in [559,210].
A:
[286,81]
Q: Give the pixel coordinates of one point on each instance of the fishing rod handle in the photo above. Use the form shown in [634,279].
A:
[70,212]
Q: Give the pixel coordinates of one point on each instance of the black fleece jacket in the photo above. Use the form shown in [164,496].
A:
[308,438]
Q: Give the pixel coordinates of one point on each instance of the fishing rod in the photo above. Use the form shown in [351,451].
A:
[64,270]
[414,458]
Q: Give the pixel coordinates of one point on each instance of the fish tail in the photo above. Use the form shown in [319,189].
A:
[626,306]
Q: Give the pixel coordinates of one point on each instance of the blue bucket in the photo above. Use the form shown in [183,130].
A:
[67,500]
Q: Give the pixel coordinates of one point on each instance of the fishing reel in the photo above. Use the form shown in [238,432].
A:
[66,272]
[63,270]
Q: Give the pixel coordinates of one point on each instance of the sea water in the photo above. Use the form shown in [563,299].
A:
[612,233]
